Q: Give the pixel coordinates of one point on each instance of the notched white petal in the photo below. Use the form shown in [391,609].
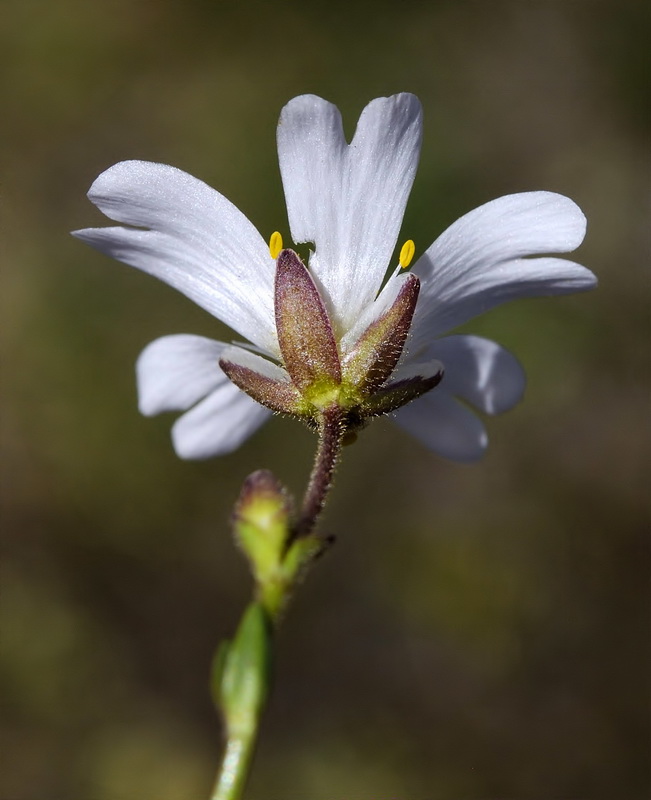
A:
[349,200]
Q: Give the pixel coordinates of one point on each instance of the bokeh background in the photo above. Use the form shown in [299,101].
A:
[478,632]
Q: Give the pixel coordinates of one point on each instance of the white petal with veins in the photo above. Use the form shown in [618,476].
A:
[477,263]
[192,238]
[349,199]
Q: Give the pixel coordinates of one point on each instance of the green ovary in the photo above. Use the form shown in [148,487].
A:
[325,393]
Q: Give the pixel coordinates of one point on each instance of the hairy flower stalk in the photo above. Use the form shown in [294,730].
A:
[334,342]
[331,433]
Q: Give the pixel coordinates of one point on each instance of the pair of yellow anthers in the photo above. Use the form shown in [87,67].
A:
[406,252]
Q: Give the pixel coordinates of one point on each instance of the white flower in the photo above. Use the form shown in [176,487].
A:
[348,200]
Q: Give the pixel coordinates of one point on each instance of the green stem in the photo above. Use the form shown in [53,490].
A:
[235,767]
[241,678]
[241,675]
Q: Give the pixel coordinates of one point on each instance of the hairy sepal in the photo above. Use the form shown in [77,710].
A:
[398,393]
[277,395]
[376,354]
[305,334]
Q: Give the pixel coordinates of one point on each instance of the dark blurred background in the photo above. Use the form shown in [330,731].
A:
[478,632]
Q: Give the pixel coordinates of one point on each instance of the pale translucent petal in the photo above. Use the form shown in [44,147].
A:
[217,425]
[444,426]
[191,237]
[478,262]
[175,372]
[348,200]
[480,371]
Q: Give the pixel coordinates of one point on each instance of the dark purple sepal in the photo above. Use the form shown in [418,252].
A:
[305,335]
[399,393]
[378,350]
[280,396]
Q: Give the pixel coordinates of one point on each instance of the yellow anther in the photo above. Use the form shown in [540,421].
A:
[407,253]
[275,244]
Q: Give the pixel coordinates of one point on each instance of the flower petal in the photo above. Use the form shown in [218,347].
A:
[217,425]
[348,200]
[191,237]
[445,426]
[480,371]
[477,263]
[175,372]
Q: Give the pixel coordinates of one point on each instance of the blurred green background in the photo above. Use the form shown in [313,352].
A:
[478,632]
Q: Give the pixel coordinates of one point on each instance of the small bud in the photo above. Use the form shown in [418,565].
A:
[261,522]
